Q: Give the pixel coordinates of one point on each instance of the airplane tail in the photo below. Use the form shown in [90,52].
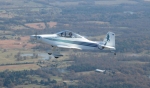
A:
[109,41]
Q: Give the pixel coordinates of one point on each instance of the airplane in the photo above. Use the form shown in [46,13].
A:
[99,70]
[71,40]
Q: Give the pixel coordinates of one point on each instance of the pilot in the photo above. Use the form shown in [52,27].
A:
[70,35]
[62,34]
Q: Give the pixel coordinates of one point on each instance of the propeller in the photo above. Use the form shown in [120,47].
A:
[35,35]
[34,39]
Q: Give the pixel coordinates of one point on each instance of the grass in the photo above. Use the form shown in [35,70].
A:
[115,2]
[36,77]
[6,33]
[86,72]
[8,57]
[13,43]
[135,62]
[30,86]
[56,78]
[41,25]
[22,3]
[19,67]
[18,27]
[6,15]
[65,3]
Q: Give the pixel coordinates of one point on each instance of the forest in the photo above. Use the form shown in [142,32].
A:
[128,19]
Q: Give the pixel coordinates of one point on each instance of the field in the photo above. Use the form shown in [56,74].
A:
[8,57]
[115,2]
[5,15]
[128,19]
[41,26]
[19,67]
[19,27]
[30,86]
[16,44]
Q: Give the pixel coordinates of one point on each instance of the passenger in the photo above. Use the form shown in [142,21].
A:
[65,34]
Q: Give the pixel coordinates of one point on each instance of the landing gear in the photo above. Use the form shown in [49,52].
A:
[55,52]
[56,57]
[113,52]
[49,53]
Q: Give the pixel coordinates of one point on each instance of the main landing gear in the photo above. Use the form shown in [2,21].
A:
[55,52]
[114,52]
[49,53]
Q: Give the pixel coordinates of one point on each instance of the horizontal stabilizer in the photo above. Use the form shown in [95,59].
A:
[110,47]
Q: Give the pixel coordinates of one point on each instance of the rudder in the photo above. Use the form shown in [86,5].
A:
[109,40]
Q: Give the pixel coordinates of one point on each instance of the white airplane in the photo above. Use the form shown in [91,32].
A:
[71,40]
[99,70]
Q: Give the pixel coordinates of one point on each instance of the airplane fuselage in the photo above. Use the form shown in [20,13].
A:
[80,43]
[71,40]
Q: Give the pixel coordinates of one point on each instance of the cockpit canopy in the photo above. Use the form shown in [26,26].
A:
[68,34]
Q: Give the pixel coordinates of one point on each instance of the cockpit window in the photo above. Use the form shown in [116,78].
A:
[68,34]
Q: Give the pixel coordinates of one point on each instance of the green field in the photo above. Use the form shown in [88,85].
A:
[30,86]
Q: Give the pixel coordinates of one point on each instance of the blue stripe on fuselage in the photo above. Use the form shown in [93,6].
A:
[74,42]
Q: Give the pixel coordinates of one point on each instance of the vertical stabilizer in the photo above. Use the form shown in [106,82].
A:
[109,41]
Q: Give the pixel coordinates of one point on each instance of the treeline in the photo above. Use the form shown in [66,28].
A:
[121,72]
[134,43]
[13,78]
[81,67]
[19,57]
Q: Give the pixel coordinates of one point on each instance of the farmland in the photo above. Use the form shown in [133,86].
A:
[23,63]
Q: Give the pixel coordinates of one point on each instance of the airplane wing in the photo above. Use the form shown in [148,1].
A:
[69,47]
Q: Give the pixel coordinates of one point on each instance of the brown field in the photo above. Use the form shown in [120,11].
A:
[15,44]
[5,15]
[115,2]
[97,22]
[85,73]
[136,62]
[41,26]
[18,27]
[19,67]
[52,24]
